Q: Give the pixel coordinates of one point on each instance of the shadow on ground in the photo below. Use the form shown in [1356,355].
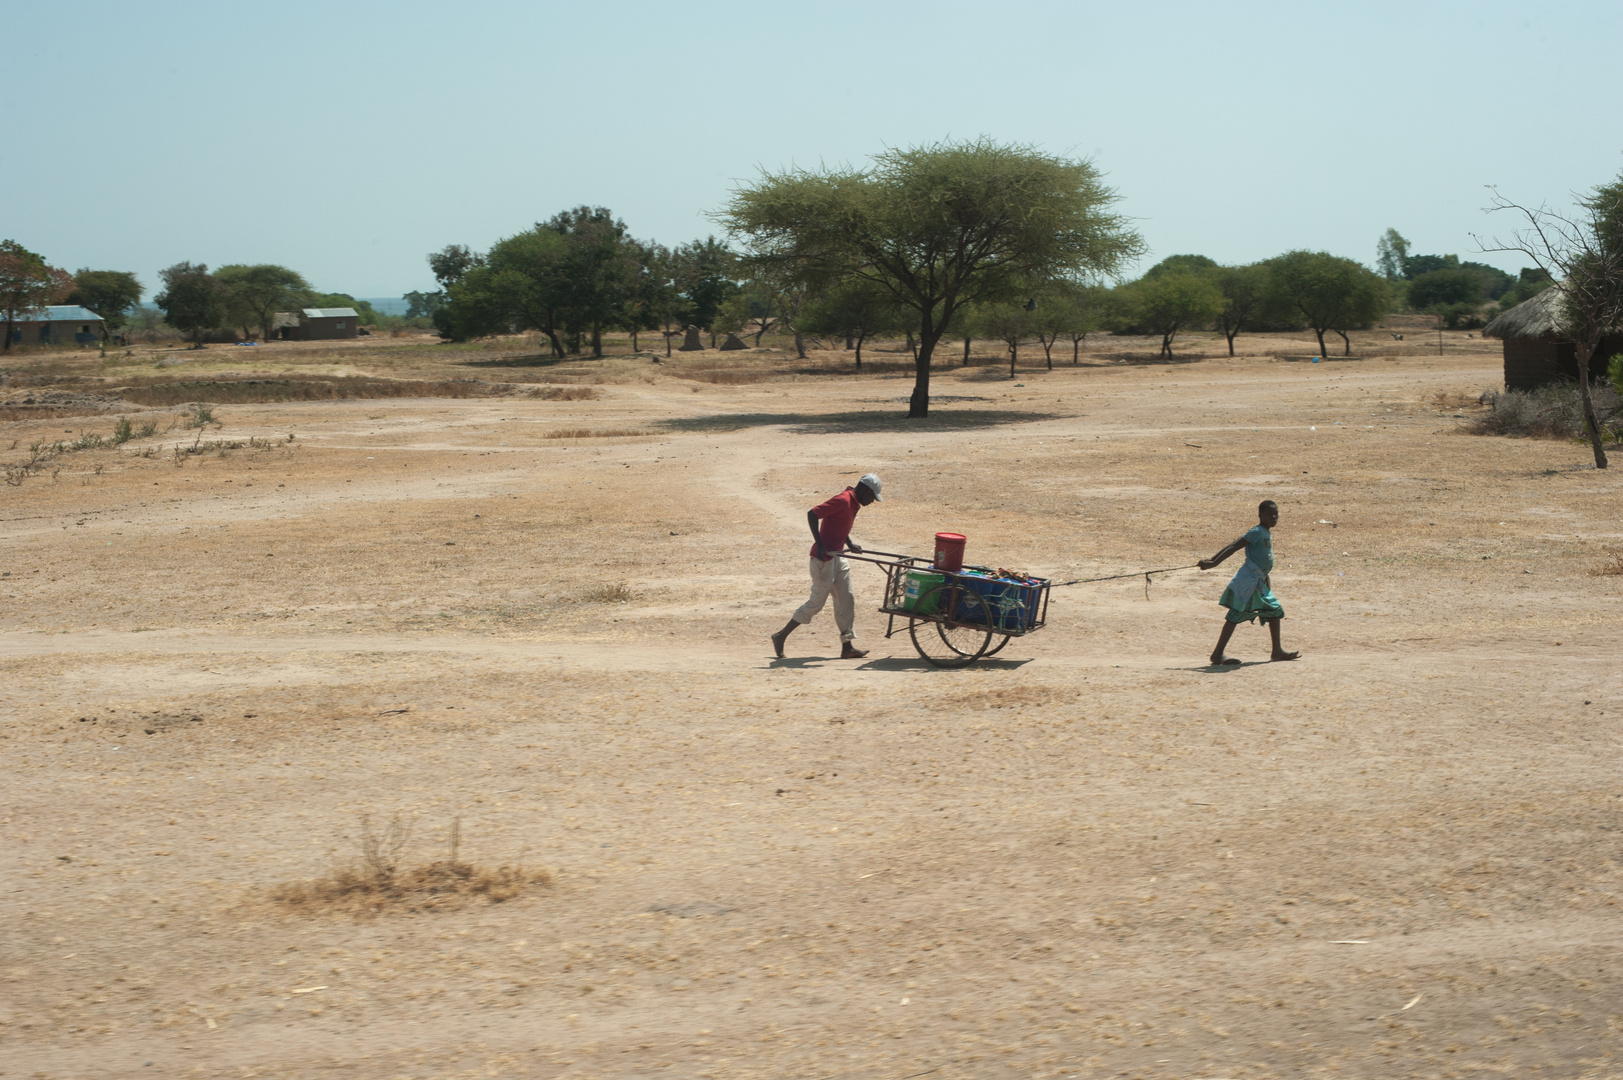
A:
[863,421]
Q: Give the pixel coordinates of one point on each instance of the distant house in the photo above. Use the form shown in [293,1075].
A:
[1535,354]
[317,324]
[56,325]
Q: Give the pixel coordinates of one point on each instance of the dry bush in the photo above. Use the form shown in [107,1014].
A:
[565,393]
[1549,412]
[588,433]
[1451,399]
[617,592]
[381,881]
[1611,568]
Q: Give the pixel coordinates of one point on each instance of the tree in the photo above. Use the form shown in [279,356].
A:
[423,305]
[753,309]
[1010,322]
[856,310]
[1192,264]
[256,293]
[451,262]
[1392,255]
[1583,256]
[599,267]
[109,293]
[1245,298]
[193,300]
[1327,292]
[520,285]
[27,282]
[706,274]
[938,227]
[1172,301]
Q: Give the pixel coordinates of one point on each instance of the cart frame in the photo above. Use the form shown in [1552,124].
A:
[957,627]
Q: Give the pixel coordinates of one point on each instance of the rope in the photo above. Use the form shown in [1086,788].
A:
[1119,577]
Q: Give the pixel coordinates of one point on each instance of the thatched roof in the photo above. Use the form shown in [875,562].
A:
[1534,318]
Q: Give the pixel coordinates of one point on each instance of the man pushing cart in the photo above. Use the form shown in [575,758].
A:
[830,524]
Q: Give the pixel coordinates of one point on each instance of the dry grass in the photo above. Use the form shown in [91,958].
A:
[617,592]
[565,393]
[1611,568]
[380,880]
[1550,412]
[249,391]
[589,433]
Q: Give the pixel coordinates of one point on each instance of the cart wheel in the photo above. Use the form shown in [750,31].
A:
[958,642]
[995,649]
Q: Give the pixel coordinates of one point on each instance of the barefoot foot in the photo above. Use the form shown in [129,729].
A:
[850,652]
[1224,661]
[777,644]
[1285,656]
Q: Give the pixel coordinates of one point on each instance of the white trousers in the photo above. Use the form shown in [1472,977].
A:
[832,576]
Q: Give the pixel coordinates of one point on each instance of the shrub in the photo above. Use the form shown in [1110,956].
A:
[1549,412]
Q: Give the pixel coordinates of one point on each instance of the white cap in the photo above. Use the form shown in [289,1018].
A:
[872,480]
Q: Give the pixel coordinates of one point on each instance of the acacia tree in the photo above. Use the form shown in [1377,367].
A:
[193,300]
[1583,255]
[1245,298]
[1172,301]
[109,293]
[856,310]
[256,293]
[1327,292]
[937,227]
[706,272]
[27,282]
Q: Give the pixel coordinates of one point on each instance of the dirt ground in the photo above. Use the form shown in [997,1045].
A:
[1090,856]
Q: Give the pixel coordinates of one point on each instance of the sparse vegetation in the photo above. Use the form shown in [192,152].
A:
[1613,567]
[380,879]
[589,433]
[1549,412]
[617,592]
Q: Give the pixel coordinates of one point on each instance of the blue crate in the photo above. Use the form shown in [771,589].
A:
[1012,605]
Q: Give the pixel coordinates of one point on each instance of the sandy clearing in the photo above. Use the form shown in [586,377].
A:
[1089,856]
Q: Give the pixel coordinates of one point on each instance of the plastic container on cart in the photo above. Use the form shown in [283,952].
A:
[949,551]
[1011,605]
[920,582]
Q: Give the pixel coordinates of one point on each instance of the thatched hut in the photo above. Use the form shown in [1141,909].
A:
[1535,351]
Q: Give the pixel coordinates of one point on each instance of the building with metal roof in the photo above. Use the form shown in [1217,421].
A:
[318,324]
[56,324]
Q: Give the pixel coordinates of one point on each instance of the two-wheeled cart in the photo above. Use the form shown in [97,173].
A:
[955,617]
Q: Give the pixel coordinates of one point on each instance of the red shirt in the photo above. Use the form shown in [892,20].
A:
[834,521]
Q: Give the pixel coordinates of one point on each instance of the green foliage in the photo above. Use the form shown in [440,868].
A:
[1247,298]
[451,262]
[109,293]
[1191,264]
[27,282]
[193,300]
[254,294]
[1415,265]
[573,275]
[706,274]
[1174,300]
[1327,292]
[423,305]
[938,227]
[1392,255]
[855,310]
[1437,288]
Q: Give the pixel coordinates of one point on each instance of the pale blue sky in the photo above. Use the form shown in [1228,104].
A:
[349,138]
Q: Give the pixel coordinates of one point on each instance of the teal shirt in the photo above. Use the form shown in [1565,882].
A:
[1259,548]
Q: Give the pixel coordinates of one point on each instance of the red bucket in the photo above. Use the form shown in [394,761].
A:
[949,552]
